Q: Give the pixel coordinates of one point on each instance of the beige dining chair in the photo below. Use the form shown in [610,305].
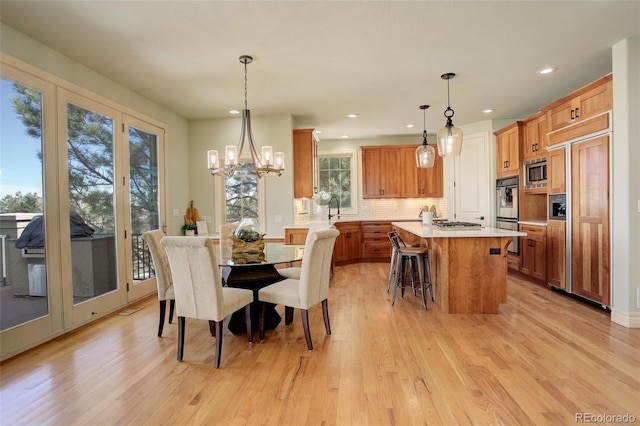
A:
[164,281]
[198,288]
[312,287]
[294,271]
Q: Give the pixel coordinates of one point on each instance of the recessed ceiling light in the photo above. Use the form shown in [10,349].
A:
[547,70]
[352,115]
[344,137]
[234,111]
[410,125]
[487,111]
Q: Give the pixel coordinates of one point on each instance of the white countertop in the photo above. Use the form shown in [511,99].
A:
[533,222]
[427,231]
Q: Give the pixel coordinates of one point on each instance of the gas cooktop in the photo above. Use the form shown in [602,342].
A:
[451,226]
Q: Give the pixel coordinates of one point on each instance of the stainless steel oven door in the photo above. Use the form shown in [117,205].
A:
[514,245]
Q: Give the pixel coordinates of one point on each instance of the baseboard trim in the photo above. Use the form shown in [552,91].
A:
[625,319]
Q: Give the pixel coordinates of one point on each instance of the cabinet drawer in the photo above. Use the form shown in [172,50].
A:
[534,231]
[377,249]
[376,227]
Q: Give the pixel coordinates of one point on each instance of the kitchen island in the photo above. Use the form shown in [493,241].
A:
[468,266]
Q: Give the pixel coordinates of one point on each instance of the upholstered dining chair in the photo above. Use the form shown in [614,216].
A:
[312,287]
[164,281]
[294,271]
[198,288]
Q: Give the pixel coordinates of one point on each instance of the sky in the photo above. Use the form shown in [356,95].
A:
[20,168]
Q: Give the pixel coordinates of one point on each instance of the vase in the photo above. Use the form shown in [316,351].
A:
[189,232]
[321,210]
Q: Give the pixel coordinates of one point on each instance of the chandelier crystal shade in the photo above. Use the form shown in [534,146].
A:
[449,137]
[425,154]
[263,163]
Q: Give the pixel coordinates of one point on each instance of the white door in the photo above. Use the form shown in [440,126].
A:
[471,188]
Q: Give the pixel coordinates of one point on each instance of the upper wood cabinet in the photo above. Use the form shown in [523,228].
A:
[586,102]
[556,171]
[391,172]
[535,136]
[381,172]
[418,182]
[305,163]
[508,141]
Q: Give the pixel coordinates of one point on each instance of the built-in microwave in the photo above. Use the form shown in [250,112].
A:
[535,173]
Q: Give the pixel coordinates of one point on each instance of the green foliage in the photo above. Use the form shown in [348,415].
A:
[91,164]
[189,227]
[249,236]
[28,203]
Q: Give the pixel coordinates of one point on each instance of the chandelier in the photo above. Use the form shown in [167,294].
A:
[267,163]
[425,154]
[449,137]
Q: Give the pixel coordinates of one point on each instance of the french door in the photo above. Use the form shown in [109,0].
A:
[84,181]
[92,242]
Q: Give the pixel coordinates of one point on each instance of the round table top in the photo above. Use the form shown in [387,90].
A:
[274,253]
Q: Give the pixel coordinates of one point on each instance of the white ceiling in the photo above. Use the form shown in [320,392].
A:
[320,60]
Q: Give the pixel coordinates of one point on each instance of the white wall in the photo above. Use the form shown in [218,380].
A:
[40,56]
[625,154]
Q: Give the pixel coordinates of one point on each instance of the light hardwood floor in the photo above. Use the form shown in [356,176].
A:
[544,358]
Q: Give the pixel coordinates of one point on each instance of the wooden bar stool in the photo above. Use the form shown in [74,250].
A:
[409,258]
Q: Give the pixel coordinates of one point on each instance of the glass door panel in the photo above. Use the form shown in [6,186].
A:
[90,250]
[91,203]
[23,266]
[30,286]
[144,148]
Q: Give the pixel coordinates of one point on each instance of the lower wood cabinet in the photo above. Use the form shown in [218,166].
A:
[533,252]
[348,246]
[556,253]
[376,244]
[295,235]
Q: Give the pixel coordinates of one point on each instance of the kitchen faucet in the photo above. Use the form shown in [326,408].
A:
[333,197]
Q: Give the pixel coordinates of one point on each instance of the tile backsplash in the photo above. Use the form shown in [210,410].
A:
[384,209]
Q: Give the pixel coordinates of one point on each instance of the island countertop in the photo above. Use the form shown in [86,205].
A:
[430,231]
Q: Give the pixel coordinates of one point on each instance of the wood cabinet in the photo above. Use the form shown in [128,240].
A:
[305,163]
[533,251]
[589,101]
[381,172]
[508,141]
[295,235]
[556,253]
[556,171]
[590,245]
[418,182]
[348,247]
[375,241]
[391,172]
[535,136]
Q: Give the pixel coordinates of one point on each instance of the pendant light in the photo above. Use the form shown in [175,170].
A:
[267,164]
[425,154]
[449,137]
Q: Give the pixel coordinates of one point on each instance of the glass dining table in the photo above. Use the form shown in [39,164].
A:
[254,272]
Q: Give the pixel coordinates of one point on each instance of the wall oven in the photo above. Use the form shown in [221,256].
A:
[507,209]
[507,198]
